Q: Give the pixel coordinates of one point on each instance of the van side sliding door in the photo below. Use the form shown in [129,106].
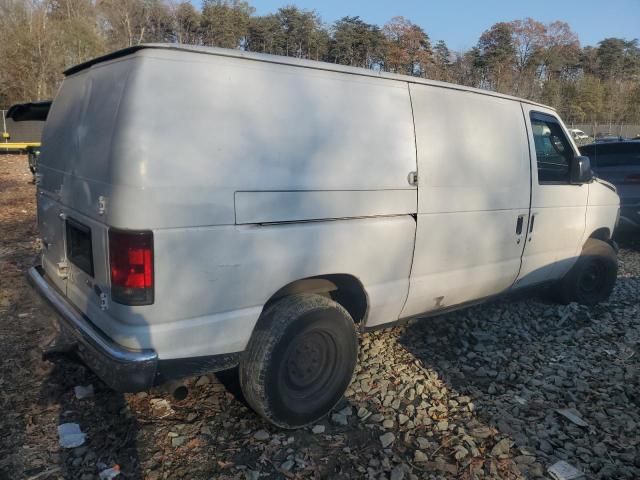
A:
[473,197]
[558,208]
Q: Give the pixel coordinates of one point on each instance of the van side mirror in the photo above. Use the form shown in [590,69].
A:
[580,170]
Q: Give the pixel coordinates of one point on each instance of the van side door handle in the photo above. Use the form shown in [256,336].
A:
[533,218]
[519,226]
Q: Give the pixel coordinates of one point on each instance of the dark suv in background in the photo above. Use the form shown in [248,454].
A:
[619,163]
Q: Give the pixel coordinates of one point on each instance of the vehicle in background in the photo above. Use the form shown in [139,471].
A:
[25,112]
[578,135]
[619,163]
[607,138]
[295,205]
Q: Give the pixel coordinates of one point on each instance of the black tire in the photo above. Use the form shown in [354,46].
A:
[591,279]
[299,360]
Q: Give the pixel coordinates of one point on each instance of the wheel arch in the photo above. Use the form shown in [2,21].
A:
[345,289]
[603,234]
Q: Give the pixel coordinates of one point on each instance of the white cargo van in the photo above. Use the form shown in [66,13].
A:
[202,208]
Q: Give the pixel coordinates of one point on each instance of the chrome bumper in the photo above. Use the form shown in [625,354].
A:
[122,369]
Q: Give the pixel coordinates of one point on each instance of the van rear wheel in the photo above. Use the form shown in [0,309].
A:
[592,278]
[299,360]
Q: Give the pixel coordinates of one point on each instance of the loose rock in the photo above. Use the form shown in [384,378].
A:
[261,435]
[387,439]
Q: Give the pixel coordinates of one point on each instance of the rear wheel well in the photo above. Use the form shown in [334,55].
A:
[342,288]
[601,234]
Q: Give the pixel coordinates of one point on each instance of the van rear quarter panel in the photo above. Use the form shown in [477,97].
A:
[212,282]
[191,132]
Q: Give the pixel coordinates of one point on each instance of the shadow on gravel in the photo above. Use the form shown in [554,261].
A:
[231,380]
[629,240]
[521,360]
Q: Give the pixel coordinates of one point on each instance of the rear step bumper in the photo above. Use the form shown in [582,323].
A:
[122,369]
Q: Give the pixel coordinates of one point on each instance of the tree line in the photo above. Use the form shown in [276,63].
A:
[543,62]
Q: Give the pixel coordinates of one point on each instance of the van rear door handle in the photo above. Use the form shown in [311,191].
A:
[533,218]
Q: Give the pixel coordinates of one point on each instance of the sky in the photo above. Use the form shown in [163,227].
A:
[460,22]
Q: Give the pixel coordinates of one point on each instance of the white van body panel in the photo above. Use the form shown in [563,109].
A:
[259,127]
[319,147]
[473,165]
[602,209]
[254,172]
[233,125]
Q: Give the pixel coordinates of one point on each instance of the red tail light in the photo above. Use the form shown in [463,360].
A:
[635,178]
[131,263]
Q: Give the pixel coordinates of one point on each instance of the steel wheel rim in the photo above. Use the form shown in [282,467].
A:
[592,279]
[309,366]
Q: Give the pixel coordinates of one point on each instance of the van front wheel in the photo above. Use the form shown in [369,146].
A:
[592,278]
[299,360]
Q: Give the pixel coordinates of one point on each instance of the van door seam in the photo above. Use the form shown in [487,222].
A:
[415,232]
[524,246]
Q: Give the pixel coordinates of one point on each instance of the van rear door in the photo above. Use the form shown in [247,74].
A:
[73,180]
[51,227]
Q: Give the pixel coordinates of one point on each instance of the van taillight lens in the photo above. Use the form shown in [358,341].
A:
[131,264]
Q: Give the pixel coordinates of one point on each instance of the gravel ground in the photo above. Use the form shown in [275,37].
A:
[482,393]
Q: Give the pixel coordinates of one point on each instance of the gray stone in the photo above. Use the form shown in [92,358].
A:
[423,442]
[546,447]
[524,459]
[420,456]
[346,411]
[502,447]
[261,435]
[397,473]
[460,453]
[288,465]
[443,425]
[340,419]
[251,475]
[178,441]
[481,432]
[376,418]
[387,439]
[573,415]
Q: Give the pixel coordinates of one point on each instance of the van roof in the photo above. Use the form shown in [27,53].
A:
[296,62]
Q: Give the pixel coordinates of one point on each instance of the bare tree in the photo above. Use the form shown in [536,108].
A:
[542,61]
